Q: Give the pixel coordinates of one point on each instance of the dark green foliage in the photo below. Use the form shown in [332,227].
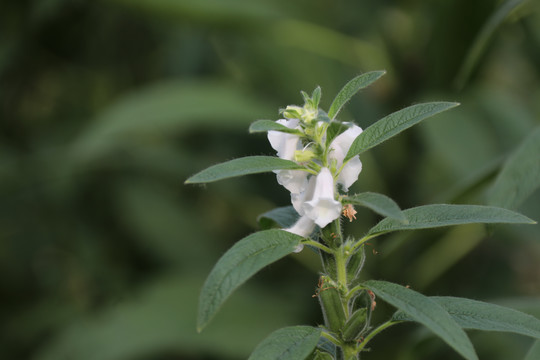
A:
[107,107]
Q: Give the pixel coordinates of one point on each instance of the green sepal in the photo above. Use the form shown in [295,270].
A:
[331,305]
[355,325]
[355,264]
[329,264]
[323,116]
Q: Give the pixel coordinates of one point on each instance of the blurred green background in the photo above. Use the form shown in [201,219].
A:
[106,107]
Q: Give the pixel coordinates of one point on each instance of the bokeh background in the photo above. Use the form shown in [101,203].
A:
[106,107]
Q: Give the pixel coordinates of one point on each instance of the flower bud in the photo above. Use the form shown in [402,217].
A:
[304,155]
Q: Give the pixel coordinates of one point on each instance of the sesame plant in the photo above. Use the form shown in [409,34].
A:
[318,159]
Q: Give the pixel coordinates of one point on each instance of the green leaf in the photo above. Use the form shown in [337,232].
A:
[316,97]
[425,311]
[534,351]
[379,203]
[520,175]
[244,259]
[395,123]
[478,315]
[242,166]
[290,343]
[334,129]
[323,116]
[269,125]
[439,215]
[283,217]
[351,88]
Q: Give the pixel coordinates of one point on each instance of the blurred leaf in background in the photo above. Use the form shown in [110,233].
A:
[106,108]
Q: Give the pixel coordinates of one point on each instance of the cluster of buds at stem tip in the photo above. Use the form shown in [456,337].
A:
[320,145]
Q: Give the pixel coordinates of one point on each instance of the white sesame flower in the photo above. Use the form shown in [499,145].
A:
[293,180]
[321,206]
[298,199]
[340,146]
[303,227]
[349,173]
[285,144]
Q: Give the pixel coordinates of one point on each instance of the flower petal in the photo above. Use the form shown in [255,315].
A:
[303,227]
[285,144]
[349,173]
[293,180]
[343,142]
[322,206]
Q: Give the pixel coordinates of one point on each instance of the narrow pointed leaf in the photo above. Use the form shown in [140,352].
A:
[242,261]
[350,89]
[425,311]
[269,125]
[395,123]
[520,175]
[478,315]
[290,343]
[439,215]
[379,203]
[242,166]
[534,351]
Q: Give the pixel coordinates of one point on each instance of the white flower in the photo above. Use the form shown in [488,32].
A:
[303,227]
[285,144]
[293,180]
[321,206]
[340,146]
[349,173]
[298,199]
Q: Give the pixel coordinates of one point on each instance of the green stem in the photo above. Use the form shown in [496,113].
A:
[331,338]
[375,332]
[318,245]
[353,291]
[362,241]
[341,268]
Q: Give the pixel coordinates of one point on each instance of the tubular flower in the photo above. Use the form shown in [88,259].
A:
[321,206]
[349,173]
[313,190]
[285,144]
[293,180]
[303,227]
[339,148]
